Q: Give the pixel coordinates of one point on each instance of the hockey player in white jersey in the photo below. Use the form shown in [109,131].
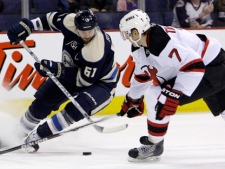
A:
[88,70]
[173,67]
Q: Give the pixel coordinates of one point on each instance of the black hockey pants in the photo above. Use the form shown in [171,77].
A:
[212,86]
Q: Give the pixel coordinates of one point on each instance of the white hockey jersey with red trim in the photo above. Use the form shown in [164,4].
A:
[172,53]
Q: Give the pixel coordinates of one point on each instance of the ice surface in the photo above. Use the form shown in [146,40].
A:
[193,141]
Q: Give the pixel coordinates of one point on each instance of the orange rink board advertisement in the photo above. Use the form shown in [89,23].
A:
[19,80]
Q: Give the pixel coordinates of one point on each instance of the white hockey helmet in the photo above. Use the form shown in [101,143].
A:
[137,19]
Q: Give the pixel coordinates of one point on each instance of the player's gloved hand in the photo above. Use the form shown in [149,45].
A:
[20,31]
[168,102]
[56,68]
[132,108]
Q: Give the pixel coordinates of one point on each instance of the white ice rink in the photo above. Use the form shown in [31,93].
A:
[193,141]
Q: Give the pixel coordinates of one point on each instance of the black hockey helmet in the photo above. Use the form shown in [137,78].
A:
[85,20]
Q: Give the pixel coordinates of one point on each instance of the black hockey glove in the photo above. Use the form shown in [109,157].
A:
[168,102]
[132,109]
[56,68]
[20,31]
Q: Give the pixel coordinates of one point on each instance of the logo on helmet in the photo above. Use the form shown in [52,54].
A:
[85,20]
[132,17]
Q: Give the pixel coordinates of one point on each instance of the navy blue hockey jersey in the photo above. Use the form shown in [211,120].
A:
[95,60]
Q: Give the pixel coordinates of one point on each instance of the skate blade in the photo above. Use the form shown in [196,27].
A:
[31,149]
[149,159]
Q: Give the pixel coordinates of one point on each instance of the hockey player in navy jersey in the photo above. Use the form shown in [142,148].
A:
[88,70]
[173,67]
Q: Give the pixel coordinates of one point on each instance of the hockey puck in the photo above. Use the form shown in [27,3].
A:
[86,153]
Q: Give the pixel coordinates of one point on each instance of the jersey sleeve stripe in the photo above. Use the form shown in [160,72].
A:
[37,24]
[194,66]
[142,78]
[80,81]
[112,75]
[157,129]
[50,17]
[205,47]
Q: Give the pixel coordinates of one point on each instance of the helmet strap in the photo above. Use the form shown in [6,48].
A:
[135,41]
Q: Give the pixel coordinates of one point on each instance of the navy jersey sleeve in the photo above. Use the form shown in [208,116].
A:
[59,22]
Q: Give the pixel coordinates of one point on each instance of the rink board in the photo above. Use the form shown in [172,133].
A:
[16,93]
[18,107]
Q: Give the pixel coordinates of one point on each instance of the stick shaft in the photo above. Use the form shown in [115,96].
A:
[50,137]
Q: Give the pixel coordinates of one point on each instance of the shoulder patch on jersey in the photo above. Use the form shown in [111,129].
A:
[69,22]
[94,50]
[67,59]
[180,3]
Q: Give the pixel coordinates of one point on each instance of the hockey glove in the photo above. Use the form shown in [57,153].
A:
[20,31]
[168,102]
[132,109]
[56,68]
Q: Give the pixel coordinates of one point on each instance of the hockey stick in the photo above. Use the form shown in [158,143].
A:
[25,145]
[70,97]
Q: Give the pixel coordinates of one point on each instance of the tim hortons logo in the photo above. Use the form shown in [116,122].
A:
[30,77]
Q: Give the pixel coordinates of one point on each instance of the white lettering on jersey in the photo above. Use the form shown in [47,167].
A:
[89,71]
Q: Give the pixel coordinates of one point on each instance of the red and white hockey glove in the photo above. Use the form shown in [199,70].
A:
[132,108]
[168,102]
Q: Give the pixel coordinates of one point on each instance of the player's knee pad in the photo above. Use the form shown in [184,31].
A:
[73,112]
[38,110]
